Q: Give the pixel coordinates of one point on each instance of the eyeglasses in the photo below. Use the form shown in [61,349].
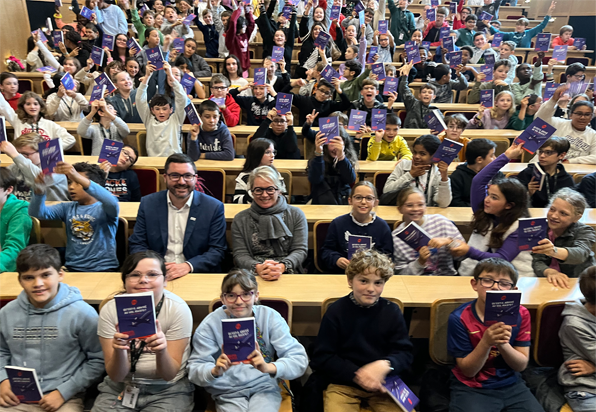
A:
[279,121]
[578,76]
[233,297]
[454,127]
[127,156]
[220,88]
[176,176]
[581,115]
[489,283]
[546,152]
[271,152]
[136,277]
[327,93]
[367,199]
[260,190]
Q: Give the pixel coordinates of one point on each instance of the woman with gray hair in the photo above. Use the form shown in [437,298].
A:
[568,248]
[270,237]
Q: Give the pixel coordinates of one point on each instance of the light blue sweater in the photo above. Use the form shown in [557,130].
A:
[291,360]
[112,20]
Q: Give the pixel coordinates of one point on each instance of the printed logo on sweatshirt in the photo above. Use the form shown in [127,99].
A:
[215,147]
[35,333]
[41,132]
[82,229]
[259,111]
[578,147]
[117,187]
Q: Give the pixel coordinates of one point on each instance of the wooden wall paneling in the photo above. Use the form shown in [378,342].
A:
[14,30]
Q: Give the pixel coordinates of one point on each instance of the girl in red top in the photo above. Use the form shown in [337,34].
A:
[238,33]
[564,38]
[9,86]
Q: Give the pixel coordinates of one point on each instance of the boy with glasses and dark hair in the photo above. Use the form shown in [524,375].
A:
[279,128]
[489,359]
[121,181]
[321,101]
[211,139]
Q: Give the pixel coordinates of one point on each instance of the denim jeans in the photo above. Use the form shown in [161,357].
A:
[581,401]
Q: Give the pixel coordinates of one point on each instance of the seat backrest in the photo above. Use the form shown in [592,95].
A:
[402,116]
[319,234]
[577,178]
[512,174]
[5,300]
[309,149]
[214,182]
[45,86]
[364,148]
[142,143]
[583,60]
[122,240]
[379,180]
[439,317]
[148,179]
[281,305]
[286,175]
[547,346]
[396,224]
[234,140]
[248,139]
[329,301]
[25,85]
[35,235]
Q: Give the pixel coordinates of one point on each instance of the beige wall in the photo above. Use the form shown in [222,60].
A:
[564,9]
[14,30]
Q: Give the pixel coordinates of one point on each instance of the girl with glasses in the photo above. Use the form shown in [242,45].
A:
[159,370]
[278,355]
[270,237]
[361,221]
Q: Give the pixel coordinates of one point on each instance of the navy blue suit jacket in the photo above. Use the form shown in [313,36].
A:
[204,237]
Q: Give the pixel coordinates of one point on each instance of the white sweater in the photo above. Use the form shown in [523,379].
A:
[66,109]
[439,192]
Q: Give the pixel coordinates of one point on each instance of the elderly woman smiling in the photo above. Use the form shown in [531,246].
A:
[270,238]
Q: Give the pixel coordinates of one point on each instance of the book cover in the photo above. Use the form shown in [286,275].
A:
[143,9]
[260,76]
[391,84]
[356,243]
[3,135]
[188,83]
[57,37]
[287,12]
[535,135]
[58,3]
[447,151]
[68,82]
[488,72]
[357,119]
[335,12]
[434,3]
[431,14]
[239,338]
[322,40]
[560,53]
[485,16]
[136,314]
[502,306]
[155,57]
[358,7]
[399,391]
[489,59]
[579,42]
[107,41]
[294,2]
[24,384]
[410,43]
[549,90]
[178,45]
[97,55]
[414,236]
[97,93]
[50,153]
[329,73]
[86,12]
[448,43]
[487,98]
[110,151]
[48,69]
[361,18]
[542,42]
[413,54]
[434,120]
[192,114]
[220,101]
[531,231]
[133,43]
[538,175]
[383,27]
[453,7]
[379,70]
[497,40]
[329,126]
[42,35]
[102,80]
[444,33]
[371,54]
[378,119]
[189,19]
[426,45]
[278,54]
[455,59]
[283,103]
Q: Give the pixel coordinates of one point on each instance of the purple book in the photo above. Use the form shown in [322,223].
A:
[260,76]
[357,119]
[356,243]
[444,32]
[531,231]
[132,42]
[191,113]
[97,92]
[391,84]
[400,393]
[485,16]
[103,79]
[413,54]
[538,175]
[97,55]
[453,7]
[579,42]
[379,70]
[455,59]
[24,384]
[488,71]
[107,41]
[410,43]
[359,7]
[278,54]
[220,101]
[42,35]
[143,9]
[50,153]
[426,45]
[489,59]
[502,306]
[287,11]
[497,40]
[383,27]
[283,103]
[48,69]
[549,90]
[434,3]
[431,14]
[371,54]
[136,314]
[435,122]
[322,40]
[58,3]
[447,151]
[57,37]
[188,20]
[448,43]
[487,98]
[414,236]
[294,2]
[378,119]
[155,57]
[542,42]
[3,136]
[335,12]
[329,126]
[535,135]
[188,83]
[68,82]
[178,45]
[239,338]
[86,13]
[560,53]
[110,151]
[329,73]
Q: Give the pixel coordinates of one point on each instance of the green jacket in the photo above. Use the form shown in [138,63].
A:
[141,28]
[466,37]
[516,123]
[402,23]
[15,227]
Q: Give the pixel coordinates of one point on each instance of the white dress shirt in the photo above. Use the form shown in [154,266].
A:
[177,219]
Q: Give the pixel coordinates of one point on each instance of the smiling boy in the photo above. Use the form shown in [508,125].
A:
[211,139]
[387,144]
[500,71]
[416,109]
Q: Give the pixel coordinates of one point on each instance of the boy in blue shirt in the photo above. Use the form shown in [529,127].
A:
[91,218]
[522,37]
[489,359]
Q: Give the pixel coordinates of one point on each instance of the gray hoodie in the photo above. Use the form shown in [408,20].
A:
[59,341]
[578,339]
[25,172]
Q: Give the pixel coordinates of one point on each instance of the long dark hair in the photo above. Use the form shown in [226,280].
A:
[515,194]
[116,52]
[254,153]
[225,72]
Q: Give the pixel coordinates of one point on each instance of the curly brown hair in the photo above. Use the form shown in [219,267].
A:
[22,114]
[370,259]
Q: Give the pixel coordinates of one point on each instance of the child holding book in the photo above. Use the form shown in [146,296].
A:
[500,71]
[237,34]
[522,36]
[444,85]
[210,33]
[489,359]
[496,117]
[564,38]
[361,221]
[416,109]
[160,361]
[369,100]
[91,218]
[387,144]
[152,41]
[530,78]
[15,223]
[456,124]
[64,105]
[279,128]
[421,173]
[211,139]
[109,126]
[68,360]
[142,24]
[402,21]
[569,246]
[350,363]
[279,356]
[411,204]
[230,110]
[258,104]
[124,98]
[524,116]
[123,182]
[578,335]
[321,101]
[506,53]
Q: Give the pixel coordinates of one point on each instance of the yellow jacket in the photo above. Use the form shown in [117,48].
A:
[384,150]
